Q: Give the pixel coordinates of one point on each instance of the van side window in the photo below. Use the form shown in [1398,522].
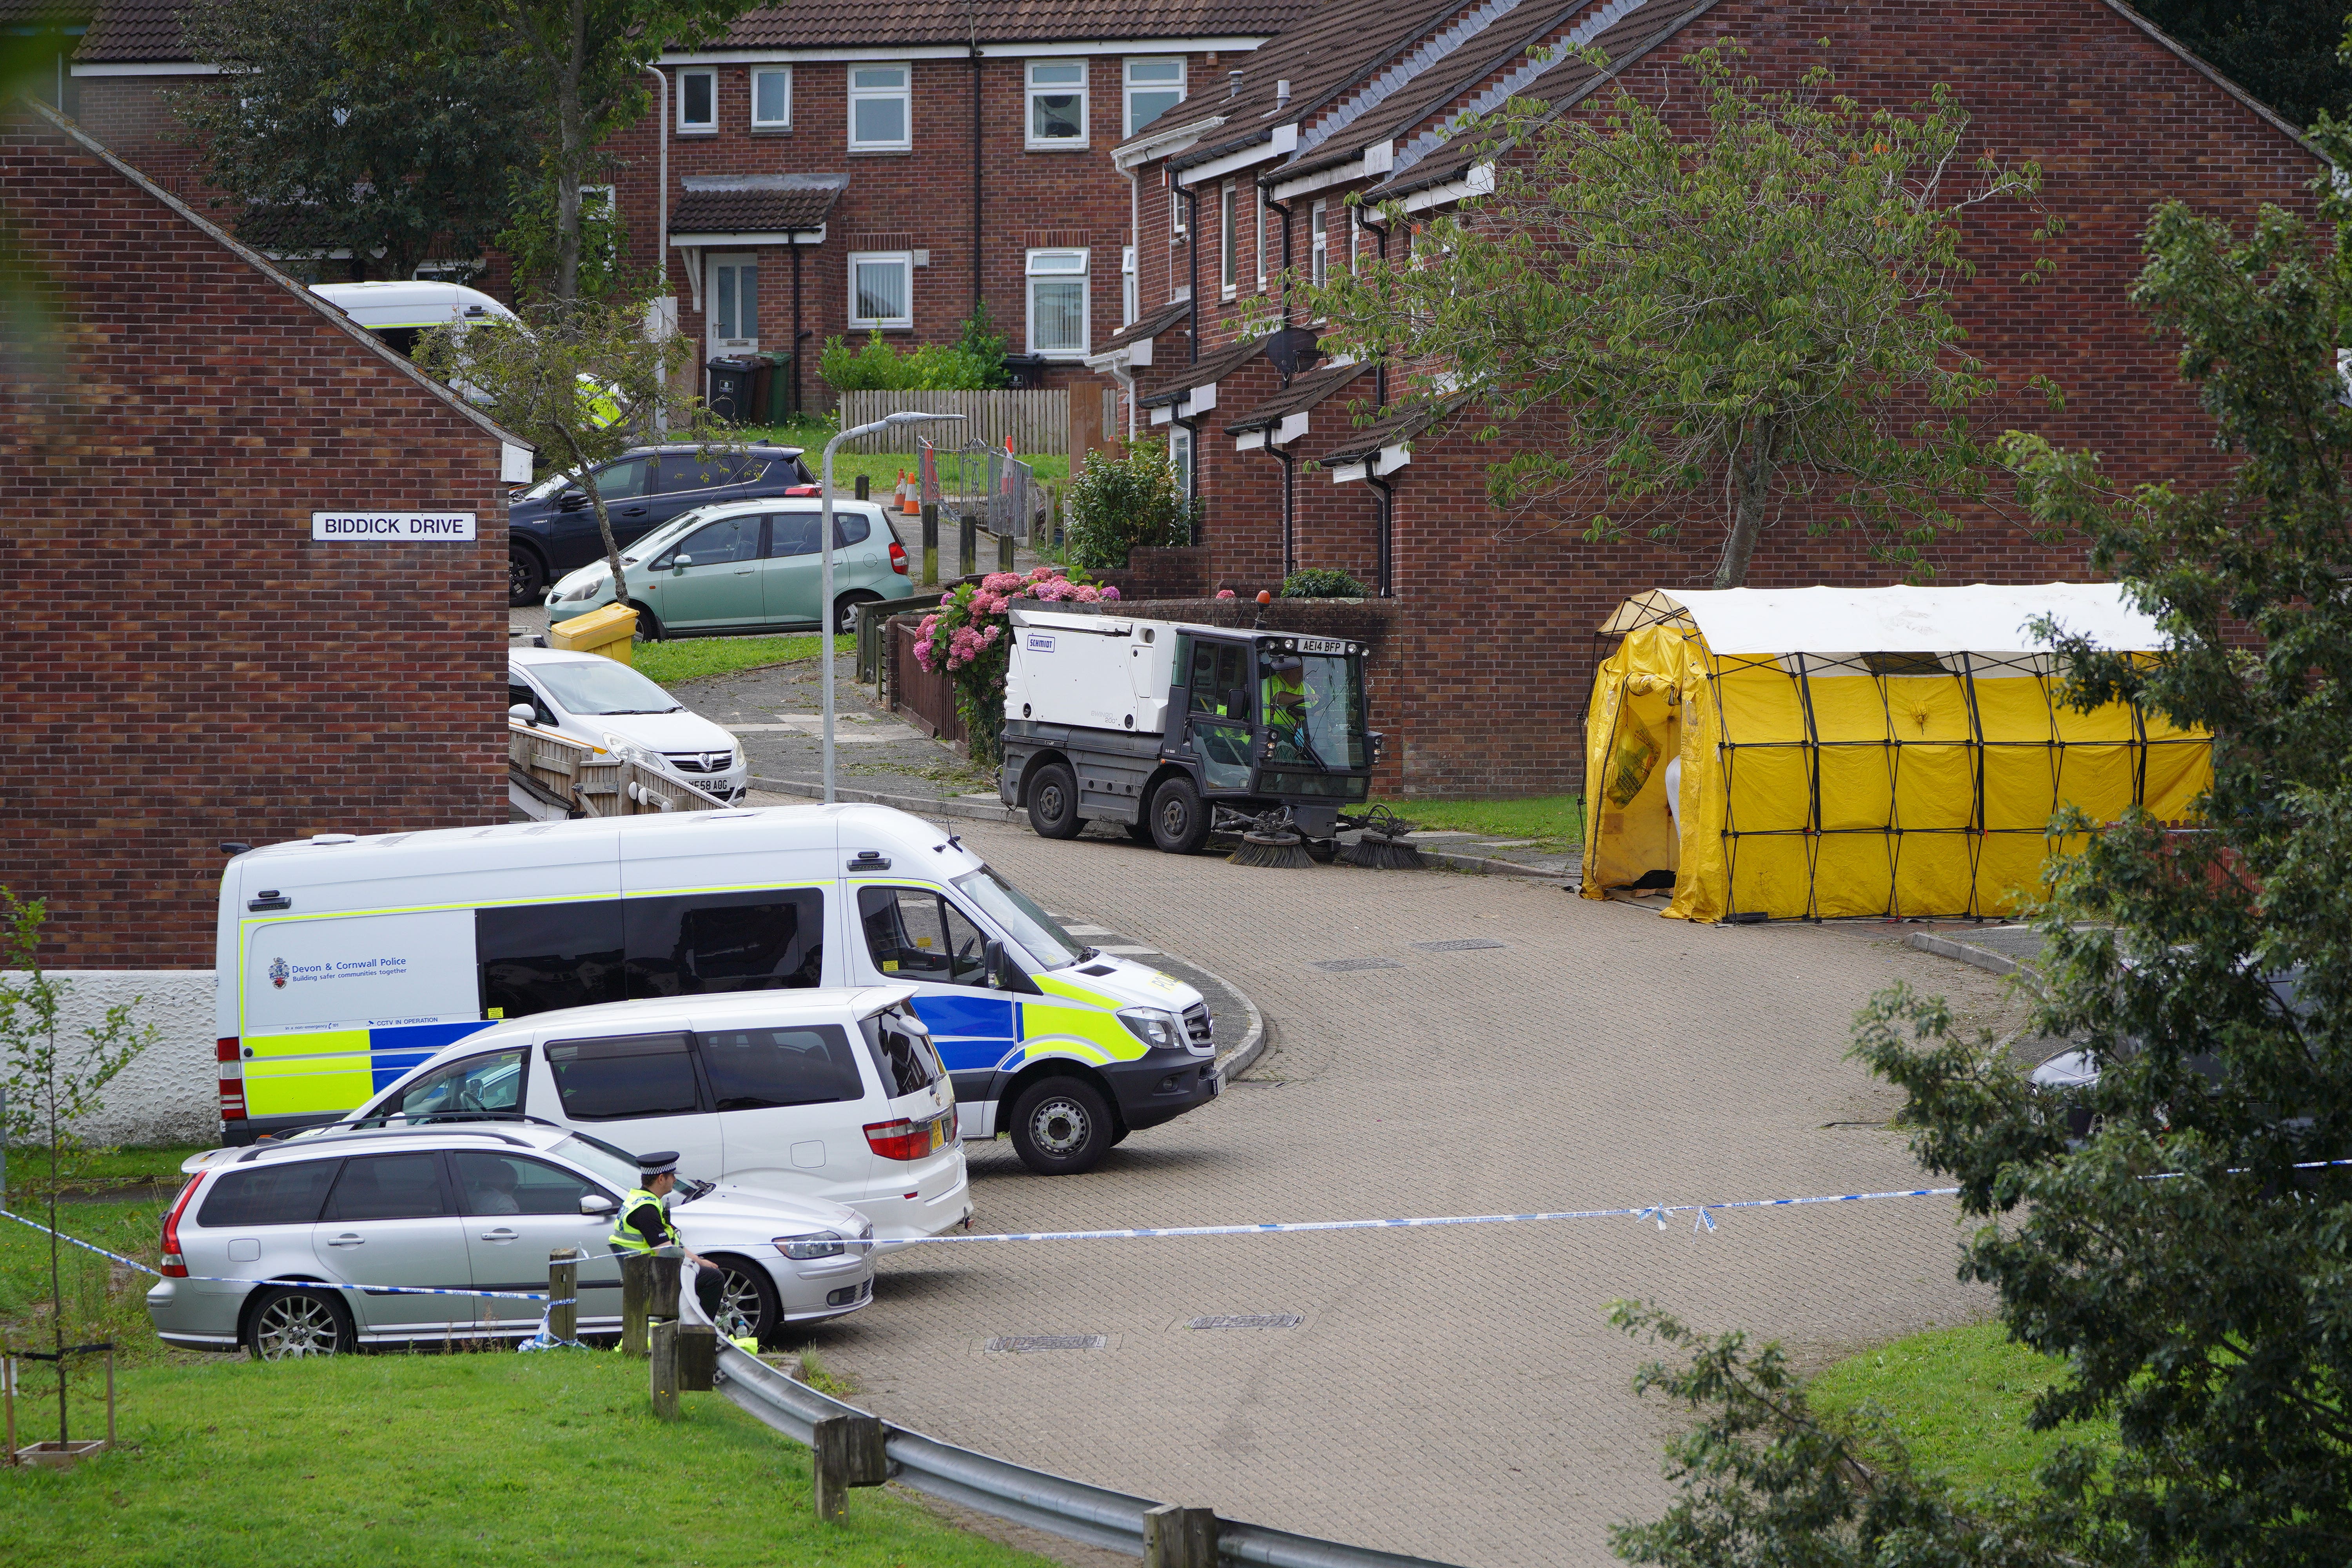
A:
[631,1074]
[904,1053]
[535,958]
[493,1082]
[388,1186]
[767,941]
[757,1069]
[286,1194]
[914,934]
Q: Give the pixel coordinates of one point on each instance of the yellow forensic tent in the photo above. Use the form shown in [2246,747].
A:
[1840,752]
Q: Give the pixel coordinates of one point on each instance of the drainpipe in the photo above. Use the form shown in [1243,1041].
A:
[1191,281]
[1383,541]
[975,165]
[661,226]
[1266,199]
[793,237]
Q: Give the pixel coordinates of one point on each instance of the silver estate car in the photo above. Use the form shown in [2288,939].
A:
[479,1207]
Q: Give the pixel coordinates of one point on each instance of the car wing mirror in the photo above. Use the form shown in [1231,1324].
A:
[523,714]
[571,500]
[991,961]
[677,561]
[596,1205]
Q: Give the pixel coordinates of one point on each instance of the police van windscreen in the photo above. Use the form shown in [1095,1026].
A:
[1018,916]
[605,686]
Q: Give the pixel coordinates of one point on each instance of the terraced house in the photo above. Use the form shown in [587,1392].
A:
[829,168]
[1296,159]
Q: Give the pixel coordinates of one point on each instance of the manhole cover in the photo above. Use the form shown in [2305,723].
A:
[1250,1320]
[1341,965]
[1048,1343]
[1462,944]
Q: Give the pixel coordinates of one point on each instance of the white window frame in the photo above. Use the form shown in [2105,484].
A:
[1129,86]
[904,93]
[1355,238]
[1127,289]
[1260,235]
[1318,241]
[756,73]
[906,260]
[698,127]
[1052,265]
[1180,455]
[1177,229]
[1033,90]
[1229,244]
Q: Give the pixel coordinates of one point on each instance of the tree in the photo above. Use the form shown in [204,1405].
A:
[2180,1233]
[585,63]
[582,381]
[331,136]
[2281,51]
[1119,504]
[1759,313]
[49,1087]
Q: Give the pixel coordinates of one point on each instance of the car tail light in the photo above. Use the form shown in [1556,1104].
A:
[905,1140]
[898,558]
[232,1079]
[175,1266]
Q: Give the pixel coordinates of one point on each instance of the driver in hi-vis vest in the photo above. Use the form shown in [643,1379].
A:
[644,1224]
[1286,699]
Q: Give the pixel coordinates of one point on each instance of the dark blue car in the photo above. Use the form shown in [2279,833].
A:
[551,527]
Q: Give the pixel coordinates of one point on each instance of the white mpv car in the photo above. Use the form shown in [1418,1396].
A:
[606,703]
[832,1094]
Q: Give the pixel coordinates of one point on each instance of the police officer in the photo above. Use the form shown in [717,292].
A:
[644,1224]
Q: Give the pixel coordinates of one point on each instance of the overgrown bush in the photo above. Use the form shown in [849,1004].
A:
[1321,582]
[966,638]
[974,363]
[1116,504]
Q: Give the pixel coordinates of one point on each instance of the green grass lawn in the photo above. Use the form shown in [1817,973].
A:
[1556,820]
[498,1457]
[1959,1399]
[97,1307]
[691,658]
[880,468]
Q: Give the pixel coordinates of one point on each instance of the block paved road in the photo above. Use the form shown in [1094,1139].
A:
[1456,1392]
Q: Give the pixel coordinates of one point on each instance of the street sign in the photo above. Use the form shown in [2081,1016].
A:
[394,527]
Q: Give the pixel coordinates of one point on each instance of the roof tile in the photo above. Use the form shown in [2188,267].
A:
[755,203]
[1303,392]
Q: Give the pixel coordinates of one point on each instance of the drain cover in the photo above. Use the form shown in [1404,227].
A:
[1250,1320]
[1341,965]
[1048,1343]
[1464,945]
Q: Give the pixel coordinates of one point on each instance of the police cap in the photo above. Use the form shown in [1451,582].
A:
[657,1164]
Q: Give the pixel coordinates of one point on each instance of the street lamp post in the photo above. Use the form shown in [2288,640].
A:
[825,570]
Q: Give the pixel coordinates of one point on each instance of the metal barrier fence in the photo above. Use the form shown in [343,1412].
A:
[1034,421]
[1076,1510]
[551,777]
[984,484]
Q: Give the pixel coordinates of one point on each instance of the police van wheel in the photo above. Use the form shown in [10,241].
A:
[1061,1126]
[1054,803]
[1180,823]
[291,1322]
[747,1295]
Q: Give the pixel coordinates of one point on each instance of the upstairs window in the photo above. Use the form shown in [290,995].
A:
[881,117]
[1057,105]
[1319,238]
[698,102]
[1154,86]
[772,99]
[1177,203]
[1126,301]
[1261,236]
[1228,239]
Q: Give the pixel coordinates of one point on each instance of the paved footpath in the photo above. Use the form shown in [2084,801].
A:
[1452,1393]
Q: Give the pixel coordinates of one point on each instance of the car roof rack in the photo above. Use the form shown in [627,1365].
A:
[367,1135]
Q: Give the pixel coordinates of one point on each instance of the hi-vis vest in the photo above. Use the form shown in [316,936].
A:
[625,1237]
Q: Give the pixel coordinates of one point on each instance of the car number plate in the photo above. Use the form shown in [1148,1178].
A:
[939,1130]
[1320,644]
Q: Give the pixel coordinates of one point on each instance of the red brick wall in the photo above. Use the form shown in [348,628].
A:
[183,664]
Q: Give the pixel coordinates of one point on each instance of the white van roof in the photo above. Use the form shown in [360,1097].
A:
[412,304]
[707,1011]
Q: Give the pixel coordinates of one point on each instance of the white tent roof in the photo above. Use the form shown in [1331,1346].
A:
[1981,618]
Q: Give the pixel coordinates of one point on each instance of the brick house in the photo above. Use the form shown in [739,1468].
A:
[1307,465]
[830,169]
[186,664]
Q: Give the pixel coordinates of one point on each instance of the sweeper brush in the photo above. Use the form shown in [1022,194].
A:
[1382,848]
[1272,839]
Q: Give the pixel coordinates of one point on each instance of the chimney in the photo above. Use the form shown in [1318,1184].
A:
[1233,84]
[1282,93]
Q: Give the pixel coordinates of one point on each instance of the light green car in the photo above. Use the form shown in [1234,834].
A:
[746,567]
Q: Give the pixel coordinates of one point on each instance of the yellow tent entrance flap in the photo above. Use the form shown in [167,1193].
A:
[1916,777]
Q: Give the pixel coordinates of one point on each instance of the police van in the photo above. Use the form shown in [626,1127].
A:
[346,962]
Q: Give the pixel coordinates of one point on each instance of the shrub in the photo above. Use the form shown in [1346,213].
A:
[974,362]
[1321,582]
[1116,504]
[966,638]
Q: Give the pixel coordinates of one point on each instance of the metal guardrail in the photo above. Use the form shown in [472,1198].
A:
[1056,1504]
[552,776]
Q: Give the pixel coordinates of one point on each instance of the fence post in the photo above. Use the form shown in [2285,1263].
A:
[861,487]
[636,1300]
[698,1357]
[930,544]
[563,1293]
[1178,1537]
[1004,553]
[662,1370]
[847,1453]
[967,545]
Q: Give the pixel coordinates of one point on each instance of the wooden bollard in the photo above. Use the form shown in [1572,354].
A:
[930,543]
[698,1358]
[663,1303]
[563,1293]
[662,1370]
[1004,553]
[1178,1537]
[967,546]
[848,1453]
[636,1298]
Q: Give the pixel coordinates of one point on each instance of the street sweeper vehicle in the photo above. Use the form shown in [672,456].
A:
[1175,730]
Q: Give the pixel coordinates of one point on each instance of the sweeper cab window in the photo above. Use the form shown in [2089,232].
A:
[1311,699]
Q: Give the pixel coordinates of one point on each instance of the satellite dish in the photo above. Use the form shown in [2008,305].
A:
[1293,351]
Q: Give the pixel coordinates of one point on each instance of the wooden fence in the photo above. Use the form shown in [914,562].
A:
[925,699]
[1033,421]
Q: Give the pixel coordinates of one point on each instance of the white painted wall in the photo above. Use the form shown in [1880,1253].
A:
[171,1094]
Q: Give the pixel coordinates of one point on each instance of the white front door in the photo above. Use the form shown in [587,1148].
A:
[733,322]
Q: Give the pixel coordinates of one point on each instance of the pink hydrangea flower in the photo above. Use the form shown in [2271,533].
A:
[1225,593]
[1111,594]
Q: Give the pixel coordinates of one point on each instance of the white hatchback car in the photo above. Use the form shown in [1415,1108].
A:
[606,703]
[832,1094]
